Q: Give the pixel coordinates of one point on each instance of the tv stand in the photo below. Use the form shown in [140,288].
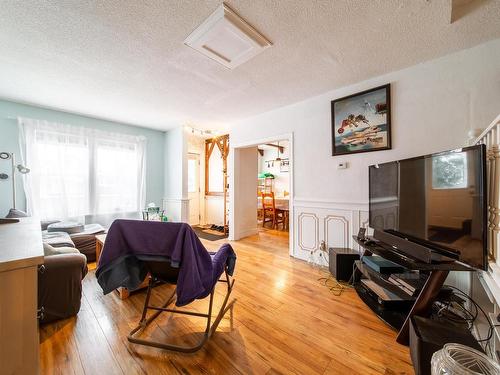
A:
[399,316]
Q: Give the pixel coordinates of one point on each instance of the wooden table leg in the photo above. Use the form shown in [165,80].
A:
[123,292]
[423,302]
[98,249]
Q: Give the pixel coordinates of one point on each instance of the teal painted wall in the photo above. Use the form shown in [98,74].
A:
[9,142]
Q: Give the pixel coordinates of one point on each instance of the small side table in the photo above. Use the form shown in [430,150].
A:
[99,244]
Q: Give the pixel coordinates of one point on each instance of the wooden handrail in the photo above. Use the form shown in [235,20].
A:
[493,124]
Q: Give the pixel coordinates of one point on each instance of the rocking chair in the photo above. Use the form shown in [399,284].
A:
[162,271]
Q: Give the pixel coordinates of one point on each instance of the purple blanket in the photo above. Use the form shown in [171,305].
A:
[129,241]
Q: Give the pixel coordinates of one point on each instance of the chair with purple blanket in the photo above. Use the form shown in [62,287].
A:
[168,253]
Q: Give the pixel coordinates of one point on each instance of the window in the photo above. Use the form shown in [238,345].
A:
[449,171]
[192,175]
[59,173]
[216,172]
[117,184]
[76,171]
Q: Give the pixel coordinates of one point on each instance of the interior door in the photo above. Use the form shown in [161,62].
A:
[194,188]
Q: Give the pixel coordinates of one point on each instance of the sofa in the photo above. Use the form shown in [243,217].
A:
[60,277]
[73,234]
[60,285]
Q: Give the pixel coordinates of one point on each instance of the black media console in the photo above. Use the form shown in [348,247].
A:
[398,314]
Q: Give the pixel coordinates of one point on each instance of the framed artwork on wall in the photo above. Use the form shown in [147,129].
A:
[285,165]
[362,122]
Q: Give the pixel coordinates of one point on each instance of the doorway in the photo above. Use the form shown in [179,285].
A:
[194,191]
[244,168]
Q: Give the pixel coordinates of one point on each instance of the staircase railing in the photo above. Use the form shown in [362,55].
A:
[490,137]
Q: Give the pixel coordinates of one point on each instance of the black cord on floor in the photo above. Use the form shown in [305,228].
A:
[478,308]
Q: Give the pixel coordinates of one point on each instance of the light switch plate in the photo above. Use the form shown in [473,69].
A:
[342,165]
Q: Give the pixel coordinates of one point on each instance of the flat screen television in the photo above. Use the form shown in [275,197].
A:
[437,201]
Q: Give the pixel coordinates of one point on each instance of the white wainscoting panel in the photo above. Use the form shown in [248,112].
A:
[308,237]
[323,224]
[176,209]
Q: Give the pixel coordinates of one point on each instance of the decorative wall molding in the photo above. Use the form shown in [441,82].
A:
[300,231]
[175,200]
[316,221]
[321,203]
[176,209]
[364,219]
[344,222]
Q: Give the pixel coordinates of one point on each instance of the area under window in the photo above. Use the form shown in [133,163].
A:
[77,171]
[449,171]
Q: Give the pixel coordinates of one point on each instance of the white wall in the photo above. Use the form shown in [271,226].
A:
[434,105]
[243,213]
[176,202]
[214,209]
[196,145]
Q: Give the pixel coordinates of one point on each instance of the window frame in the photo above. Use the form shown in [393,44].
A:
[222,143]
[465,176]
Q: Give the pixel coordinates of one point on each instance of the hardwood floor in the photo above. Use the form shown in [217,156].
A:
[283,322]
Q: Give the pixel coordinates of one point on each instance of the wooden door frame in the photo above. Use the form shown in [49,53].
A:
[222,143]
[233,184]
[197,157]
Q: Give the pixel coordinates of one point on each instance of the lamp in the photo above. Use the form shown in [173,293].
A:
[278,159]
[20,168]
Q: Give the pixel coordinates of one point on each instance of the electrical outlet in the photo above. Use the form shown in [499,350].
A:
[322,246]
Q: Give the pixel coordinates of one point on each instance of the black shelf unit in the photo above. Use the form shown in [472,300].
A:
[398,316]
[382,280]
[394,318]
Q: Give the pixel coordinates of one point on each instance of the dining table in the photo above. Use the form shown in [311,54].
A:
[281,202]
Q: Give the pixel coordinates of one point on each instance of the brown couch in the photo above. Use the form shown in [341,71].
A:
[60,286]
[60,277]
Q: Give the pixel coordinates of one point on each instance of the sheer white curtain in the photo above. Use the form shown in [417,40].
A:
[78,171]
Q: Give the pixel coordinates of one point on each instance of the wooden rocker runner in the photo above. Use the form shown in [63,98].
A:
[162,271]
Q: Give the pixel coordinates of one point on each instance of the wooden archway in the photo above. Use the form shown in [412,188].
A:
[222,143]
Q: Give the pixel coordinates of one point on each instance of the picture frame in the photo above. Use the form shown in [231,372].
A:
[361,122]
[285,165]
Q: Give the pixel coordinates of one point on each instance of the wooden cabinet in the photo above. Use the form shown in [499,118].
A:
[21,252]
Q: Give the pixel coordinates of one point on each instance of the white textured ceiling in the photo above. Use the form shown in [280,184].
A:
[125,60]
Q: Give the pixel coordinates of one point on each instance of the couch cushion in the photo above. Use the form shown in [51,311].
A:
[46,223]
[89,229]
[85,240]
[57,239]
[70,227]
[49,250]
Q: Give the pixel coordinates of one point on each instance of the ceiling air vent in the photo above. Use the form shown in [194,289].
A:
[227,38]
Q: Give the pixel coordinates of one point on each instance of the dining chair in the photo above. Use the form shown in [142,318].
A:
[270,213]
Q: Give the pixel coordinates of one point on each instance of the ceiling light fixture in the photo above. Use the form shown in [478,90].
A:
[278,159]
[227,38]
